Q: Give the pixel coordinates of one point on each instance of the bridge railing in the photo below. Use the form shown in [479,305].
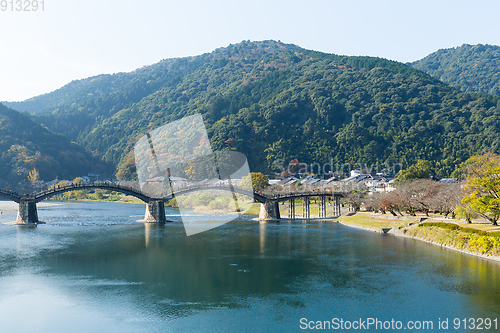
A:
[12,195]
[178,190]
[9,192]
[58,188]
[261,193]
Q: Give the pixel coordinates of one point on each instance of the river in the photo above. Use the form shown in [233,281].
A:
[93,268]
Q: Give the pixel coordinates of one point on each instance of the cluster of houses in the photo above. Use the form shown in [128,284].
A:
[373,182]
[88,179]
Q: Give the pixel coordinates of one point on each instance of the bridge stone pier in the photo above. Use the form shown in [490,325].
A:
[27,213]
[269,210]
[155,212]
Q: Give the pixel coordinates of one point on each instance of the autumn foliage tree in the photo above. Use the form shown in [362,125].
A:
[483,186]
[256,180]
[33,176]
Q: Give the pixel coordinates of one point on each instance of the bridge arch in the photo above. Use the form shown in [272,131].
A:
[138,194]
[155,205]
[299,195]
[75,187]
[11,195]
[257,196]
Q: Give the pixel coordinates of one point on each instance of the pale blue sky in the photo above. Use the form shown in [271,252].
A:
[74,39]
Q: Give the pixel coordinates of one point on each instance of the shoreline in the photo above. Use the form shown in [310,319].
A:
[12,207]
[401,232]
[9,208]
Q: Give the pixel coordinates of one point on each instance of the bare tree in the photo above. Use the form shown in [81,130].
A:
[382,202]
[418,195]
[391,202]
[447,199]
[372,203]
[355,198]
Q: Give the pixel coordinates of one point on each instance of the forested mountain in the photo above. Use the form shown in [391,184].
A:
[116,90]
[73,92]
[470,68]
[25,145]
[274,101]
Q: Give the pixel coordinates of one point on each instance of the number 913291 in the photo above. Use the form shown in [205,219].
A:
[475,323]
[22,5]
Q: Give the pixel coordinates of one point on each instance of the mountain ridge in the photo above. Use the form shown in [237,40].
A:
[278,102]
[470,68]
[26,145]
[337,102]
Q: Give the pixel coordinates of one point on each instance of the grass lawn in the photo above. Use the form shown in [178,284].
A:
[488,244]
[369,221]
[313,210]
[254,210]
[482,226]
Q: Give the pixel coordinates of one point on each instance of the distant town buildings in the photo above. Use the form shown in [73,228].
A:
[373,183]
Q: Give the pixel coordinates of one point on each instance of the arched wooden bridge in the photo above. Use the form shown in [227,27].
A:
[155,208]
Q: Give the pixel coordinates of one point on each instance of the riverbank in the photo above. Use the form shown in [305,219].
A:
[122,199]
[477,239]
[10,207]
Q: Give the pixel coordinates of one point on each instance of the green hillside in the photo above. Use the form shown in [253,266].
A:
[74,92]
[25,145]
[276,101]
[116,90]
[470,68]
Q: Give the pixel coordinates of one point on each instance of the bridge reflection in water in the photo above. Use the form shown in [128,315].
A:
[155,206]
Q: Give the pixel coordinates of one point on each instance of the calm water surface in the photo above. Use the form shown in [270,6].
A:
[93,268]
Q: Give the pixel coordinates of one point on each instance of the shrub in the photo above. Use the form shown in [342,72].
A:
[482,244]
[219,203]
[475,231]
[203,199]
[450,226]
[453,226]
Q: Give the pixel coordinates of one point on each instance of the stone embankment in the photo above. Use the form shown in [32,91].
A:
[405,227]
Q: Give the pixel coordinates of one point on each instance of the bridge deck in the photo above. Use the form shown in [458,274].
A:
[258,196]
